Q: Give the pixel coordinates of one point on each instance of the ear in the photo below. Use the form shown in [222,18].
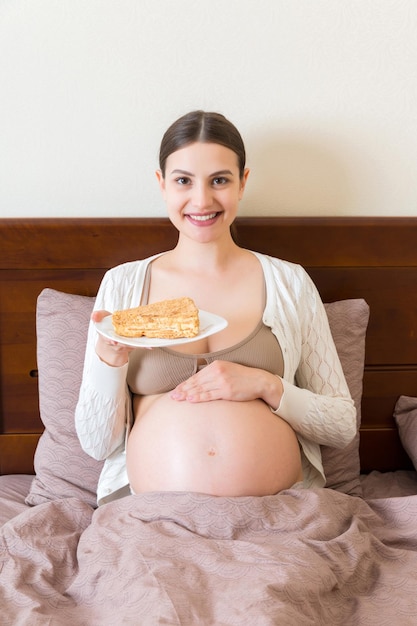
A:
[243,182]
[161,180]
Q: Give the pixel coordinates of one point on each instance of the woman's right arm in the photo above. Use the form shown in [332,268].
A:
[104,404]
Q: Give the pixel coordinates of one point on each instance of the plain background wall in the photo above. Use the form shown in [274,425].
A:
[323,91]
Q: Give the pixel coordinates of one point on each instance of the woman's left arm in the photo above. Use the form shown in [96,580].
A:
[318,405]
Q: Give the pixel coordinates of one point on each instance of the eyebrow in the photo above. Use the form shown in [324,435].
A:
[219,173]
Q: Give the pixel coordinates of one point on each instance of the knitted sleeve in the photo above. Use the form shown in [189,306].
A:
[104,404]
[317,404]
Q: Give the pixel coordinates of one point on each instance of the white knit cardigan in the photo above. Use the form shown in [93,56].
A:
[316,400]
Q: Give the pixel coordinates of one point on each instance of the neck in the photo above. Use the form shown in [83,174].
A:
[207,256]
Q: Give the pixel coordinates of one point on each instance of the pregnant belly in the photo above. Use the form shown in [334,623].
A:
[222,448]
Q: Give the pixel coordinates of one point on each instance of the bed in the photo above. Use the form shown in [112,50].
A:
[345,554]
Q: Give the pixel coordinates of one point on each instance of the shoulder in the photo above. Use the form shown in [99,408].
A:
[125,269]
[290,283]
[282,269]
[121,286]
[128,270]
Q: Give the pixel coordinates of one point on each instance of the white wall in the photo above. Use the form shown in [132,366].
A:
[323,91]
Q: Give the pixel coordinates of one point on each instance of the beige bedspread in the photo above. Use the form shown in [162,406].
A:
[300,557]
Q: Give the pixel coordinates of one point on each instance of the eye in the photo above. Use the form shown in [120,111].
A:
[183,180]
[220,180]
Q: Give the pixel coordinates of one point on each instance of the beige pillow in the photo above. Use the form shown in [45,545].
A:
[405,415]
[348,321]
[62,468]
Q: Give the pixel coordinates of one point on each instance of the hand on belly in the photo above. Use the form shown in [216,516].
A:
[224,448]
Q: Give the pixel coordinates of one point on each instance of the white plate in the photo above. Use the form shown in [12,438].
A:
[209,325]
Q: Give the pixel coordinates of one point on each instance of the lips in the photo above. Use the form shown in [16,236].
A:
[203,217]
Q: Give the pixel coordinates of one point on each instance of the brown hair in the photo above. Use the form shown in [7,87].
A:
[205,127]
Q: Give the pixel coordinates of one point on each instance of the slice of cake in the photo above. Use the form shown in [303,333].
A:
[167,319]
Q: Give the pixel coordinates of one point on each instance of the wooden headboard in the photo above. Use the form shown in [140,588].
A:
[371,258]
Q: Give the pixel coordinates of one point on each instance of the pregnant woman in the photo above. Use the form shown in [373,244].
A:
[243,411]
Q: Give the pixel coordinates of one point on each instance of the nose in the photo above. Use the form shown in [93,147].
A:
[201,197]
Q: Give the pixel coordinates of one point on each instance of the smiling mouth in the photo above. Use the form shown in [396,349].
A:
[203,218]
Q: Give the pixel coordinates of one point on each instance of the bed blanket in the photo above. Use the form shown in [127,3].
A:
[303,557]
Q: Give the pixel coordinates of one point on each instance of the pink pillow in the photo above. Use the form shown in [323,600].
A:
[405,415]
[348,321]
[62,469]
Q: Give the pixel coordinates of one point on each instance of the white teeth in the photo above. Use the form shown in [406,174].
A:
[203,218]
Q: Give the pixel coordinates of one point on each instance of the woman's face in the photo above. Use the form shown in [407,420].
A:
[202,189]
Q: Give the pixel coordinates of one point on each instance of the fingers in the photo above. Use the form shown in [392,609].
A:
[191,390]
[214,382]
[109,350]
[195,395]
[98,316]
[119,346]
[224,380]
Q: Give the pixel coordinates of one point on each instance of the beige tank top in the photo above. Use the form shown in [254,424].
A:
[160,370]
